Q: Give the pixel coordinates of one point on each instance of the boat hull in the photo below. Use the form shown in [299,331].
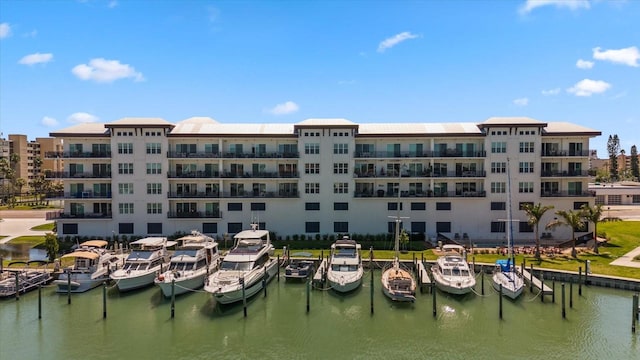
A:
[78,284]
[345,286]
[251,288]
[134,281]
[512,284]
[183,284]
[401,289]
[454,286]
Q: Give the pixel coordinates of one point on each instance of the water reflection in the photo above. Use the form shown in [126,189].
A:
[21,252]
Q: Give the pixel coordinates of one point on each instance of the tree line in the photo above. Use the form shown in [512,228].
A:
[12,187]
[614,174]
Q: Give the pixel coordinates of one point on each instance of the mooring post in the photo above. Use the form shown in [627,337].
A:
[522,267]
[500,301]
[571,294]
[244,297]
[17,286]
[553,290]
[371,292]
[541,286]
[308,293]
[279,268]
[422,257]
[69,287]
[264,281]
[104,299]
[482,279]
[433,292]
[564,309]
[531,278]
[321,255]
[580,281]
[634,312]
[173,297]
[474,264]
[39,301]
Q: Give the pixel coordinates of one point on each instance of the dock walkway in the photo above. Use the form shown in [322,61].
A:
[537,283]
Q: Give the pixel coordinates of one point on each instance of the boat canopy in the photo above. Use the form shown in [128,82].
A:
[505,264]
[94,243]
[82,254]
[452,247]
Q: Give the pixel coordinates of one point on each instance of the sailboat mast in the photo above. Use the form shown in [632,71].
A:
[397,242]
[510,216]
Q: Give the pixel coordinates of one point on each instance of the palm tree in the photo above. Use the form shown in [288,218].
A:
[573,219]
[593,215]
[535,213]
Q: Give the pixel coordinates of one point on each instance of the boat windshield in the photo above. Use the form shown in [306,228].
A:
[455,272]
[135,266]
[345,252]
[337,267]
[185,252]
[233,265]
[140,255]
[181,266]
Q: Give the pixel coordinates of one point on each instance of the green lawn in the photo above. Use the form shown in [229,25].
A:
[44,227]
[33,241]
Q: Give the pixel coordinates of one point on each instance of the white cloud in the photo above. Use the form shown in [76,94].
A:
[530,5]
[31,34]
[584,64]
[588,87]
[36,58]
[102,70]
[112,4]
[49,121]
[521,101]
[627,56]
[82,117]
[5,30]
[395,40]
[284,108]
[551,92]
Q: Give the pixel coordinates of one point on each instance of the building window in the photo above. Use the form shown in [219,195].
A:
[522,204]
[443,226]
[418,206]
[497,227]
[525,227]
[340,168]
[154,228]
[340,206]
[498,167]
[312,227]
[498,205]
[70,229]
[258,206]
[234,206]
[391,227]
[154,148]
[526,167]
[341,227]
[341,188]
[312,206]
[154,188]
[312,168]
[340,148]
[525,187]
[125,208]
[209,228]
[443,206]
[125,228]
[125,188]
[498,187]
[526,147]
[125,168]
[154,168]
[393,206]
[577,205]
[154,208]
[125,148]
[312,188]
[499,147]
[418,227]
[312,149]
[234,227]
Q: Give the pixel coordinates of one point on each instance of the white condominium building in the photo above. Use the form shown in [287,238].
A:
[147,176]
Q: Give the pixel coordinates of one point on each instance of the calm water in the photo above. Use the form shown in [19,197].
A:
[139,326]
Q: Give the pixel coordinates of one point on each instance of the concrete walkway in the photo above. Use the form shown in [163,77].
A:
[18,223]
[627,259]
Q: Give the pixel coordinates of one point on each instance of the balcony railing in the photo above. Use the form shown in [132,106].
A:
[420,174]
[87,195]
[564,173]
[410,194]
[194,214]
[567,193]
[420,154]
[235,194]
[233,175]
[232,155]
[77,154]
[76,175]
[565,153]
[53,215]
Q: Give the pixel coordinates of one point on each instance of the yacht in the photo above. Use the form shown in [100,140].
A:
[245,268]
[27,278]
[398,284]
[452,273]
[148,257]
[195,258]
[93,264]
[345,266]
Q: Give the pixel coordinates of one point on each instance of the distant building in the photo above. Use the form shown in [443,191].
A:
[622,193]
[28,151]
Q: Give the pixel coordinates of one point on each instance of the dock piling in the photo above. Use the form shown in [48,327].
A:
[40,301]
[371,270]
[580,280]
[564,309]
[69,287]
[264,281]
[278,268]
[308,293]
[173,298]
[571,294]
[634,312]
[17,286]
[104,300]
[531,278]
[500,302]
[433,292]
[542,286]
[482,279]
[244,297]
[553,294]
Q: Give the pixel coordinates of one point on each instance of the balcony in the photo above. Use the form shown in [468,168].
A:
[76,175]
[77,155]
[232,175]
[194,214]
[193,174]
[420,174]
[565,153]
[55,215]
[87,195]
[193,194]
[567,194]
[419,194]
[581,173]
[421,154]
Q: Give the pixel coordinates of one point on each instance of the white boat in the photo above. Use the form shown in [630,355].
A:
[93,264]
[148,257]
[398,284]
[27,279]
[248,265]
[505,273]
[451,272]
[345,271]
[195,258]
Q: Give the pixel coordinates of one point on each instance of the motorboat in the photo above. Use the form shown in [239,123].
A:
[299,269]
[452,273]
[398,284]
[93,263]
[245,269]
[505,275]
[21,280]
[344,272]
[196,257]
[147,258]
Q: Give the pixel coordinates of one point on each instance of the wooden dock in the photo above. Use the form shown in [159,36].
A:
[318,277]
[423,276]
[528,278]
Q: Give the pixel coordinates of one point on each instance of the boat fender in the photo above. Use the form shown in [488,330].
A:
[161,277]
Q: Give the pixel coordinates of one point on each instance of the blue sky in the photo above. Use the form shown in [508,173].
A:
[63,62]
